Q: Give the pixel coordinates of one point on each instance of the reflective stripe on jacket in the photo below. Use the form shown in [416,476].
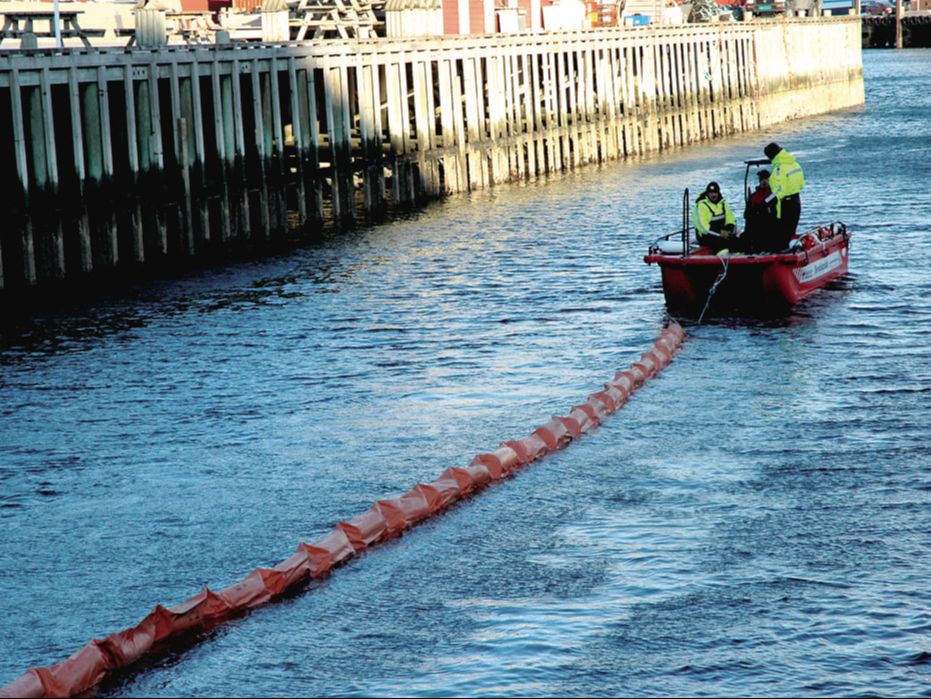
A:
[711,218]
[787,178]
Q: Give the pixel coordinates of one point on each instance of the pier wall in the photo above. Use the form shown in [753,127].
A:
[115,159]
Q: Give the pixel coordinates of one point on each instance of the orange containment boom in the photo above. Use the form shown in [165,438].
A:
[386,519]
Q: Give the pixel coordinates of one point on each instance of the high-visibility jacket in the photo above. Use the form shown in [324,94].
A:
[710,217]
[786,179]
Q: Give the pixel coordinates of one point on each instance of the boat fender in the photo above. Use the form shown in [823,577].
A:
[673,246]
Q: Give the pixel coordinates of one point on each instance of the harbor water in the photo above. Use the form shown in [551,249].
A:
[756,521]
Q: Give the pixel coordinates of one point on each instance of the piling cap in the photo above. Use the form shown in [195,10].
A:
[772,150]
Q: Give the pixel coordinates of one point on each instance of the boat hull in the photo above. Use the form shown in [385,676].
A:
[764,282]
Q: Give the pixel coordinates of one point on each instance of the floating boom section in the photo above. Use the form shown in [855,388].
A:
[386,519]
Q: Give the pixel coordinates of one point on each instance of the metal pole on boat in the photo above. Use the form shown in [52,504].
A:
[685,223]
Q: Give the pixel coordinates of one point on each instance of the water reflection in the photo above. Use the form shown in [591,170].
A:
[760,505]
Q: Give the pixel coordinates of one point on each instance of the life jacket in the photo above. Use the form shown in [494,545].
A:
[787,178]
[710,217]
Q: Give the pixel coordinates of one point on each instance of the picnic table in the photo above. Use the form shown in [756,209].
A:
[18,23]
[193,27]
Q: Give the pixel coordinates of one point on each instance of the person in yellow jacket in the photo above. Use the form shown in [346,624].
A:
[714,220]
[786,181]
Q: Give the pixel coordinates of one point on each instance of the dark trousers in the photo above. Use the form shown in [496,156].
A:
[787,223]
[760,232]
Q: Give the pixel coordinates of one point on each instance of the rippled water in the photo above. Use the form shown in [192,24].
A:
[755,521]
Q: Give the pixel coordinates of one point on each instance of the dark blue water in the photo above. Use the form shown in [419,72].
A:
[756,521]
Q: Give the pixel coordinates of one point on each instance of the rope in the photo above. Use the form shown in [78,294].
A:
[714,287]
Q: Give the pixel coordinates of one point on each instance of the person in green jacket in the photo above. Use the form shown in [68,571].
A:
[714,220]
[786,181]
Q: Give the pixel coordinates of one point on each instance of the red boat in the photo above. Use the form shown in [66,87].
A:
[766,281]
[695,279]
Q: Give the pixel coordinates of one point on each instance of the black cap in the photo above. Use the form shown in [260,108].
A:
[772,150]
[762,173]
[712,187]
